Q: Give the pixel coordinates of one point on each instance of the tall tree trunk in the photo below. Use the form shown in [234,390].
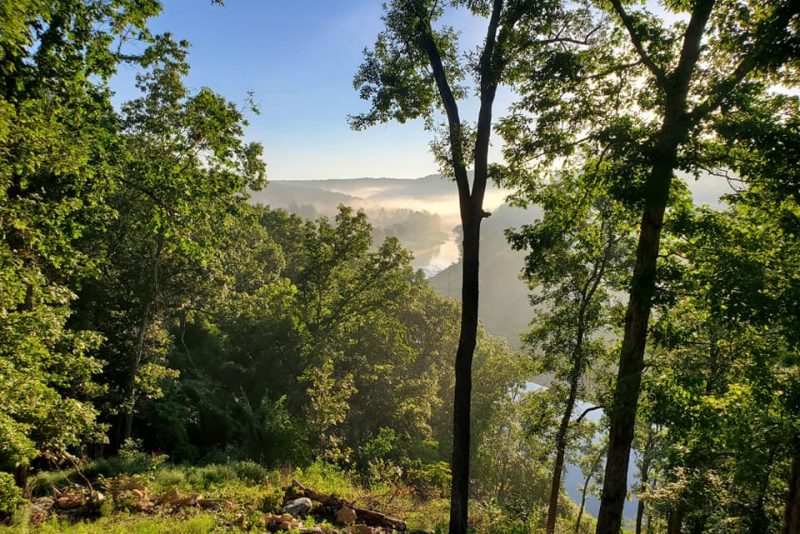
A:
[127,428]
[649,524]
[576,373]
[639,516]
[471,210]
[792,511]
[759,519]
[147,313]
[675,521]
[459,499]
[645,477]
[629,377]
[663,158]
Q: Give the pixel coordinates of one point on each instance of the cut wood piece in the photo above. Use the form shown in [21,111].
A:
[70,501]
[214,504]
[368,517]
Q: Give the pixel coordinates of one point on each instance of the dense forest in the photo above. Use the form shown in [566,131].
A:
[177,356]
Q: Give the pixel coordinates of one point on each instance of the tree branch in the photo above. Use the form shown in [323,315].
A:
[692,40]
[450,106]
[586,412]
[746,65]
[612,70]
[489,73]
[723,89]
[627,21]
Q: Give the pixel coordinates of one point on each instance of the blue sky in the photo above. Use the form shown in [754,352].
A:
[299,57]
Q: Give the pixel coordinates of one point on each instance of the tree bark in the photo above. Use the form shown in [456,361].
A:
[629,377]
[675,521]
[645,477]
[555,485]
[639,516]
[792,510]
[459,498]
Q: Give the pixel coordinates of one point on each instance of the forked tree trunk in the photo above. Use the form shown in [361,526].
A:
[471,210]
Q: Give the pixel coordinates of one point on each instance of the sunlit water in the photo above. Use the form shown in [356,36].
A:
[573,478]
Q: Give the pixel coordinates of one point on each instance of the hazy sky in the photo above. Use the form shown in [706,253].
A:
[299,57]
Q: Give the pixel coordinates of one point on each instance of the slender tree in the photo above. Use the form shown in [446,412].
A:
[792,511]
[579,250]
[692,70]
[647,445]
[413,71]
[591,464]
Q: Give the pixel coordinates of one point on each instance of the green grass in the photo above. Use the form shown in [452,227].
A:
[200,523]
[252,490]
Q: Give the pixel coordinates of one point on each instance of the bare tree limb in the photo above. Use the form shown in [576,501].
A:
[586,412]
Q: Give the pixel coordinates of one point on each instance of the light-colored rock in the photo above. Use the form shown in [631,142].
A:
[300,506]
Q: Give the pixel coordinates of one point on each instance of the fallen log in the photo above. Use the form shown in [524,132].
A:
[70,501]
[363,515]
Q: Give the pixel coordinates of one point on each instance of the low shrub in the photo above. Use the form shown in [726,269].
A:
[10,496]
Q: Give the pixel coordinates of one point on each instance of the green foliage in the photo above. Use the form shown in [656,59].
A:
[722,359]
[10,495]
[382,446]
[57,140]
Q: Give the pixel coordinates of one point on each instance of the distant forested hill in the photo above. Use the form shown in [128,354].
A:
[504,305]
[423,215]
